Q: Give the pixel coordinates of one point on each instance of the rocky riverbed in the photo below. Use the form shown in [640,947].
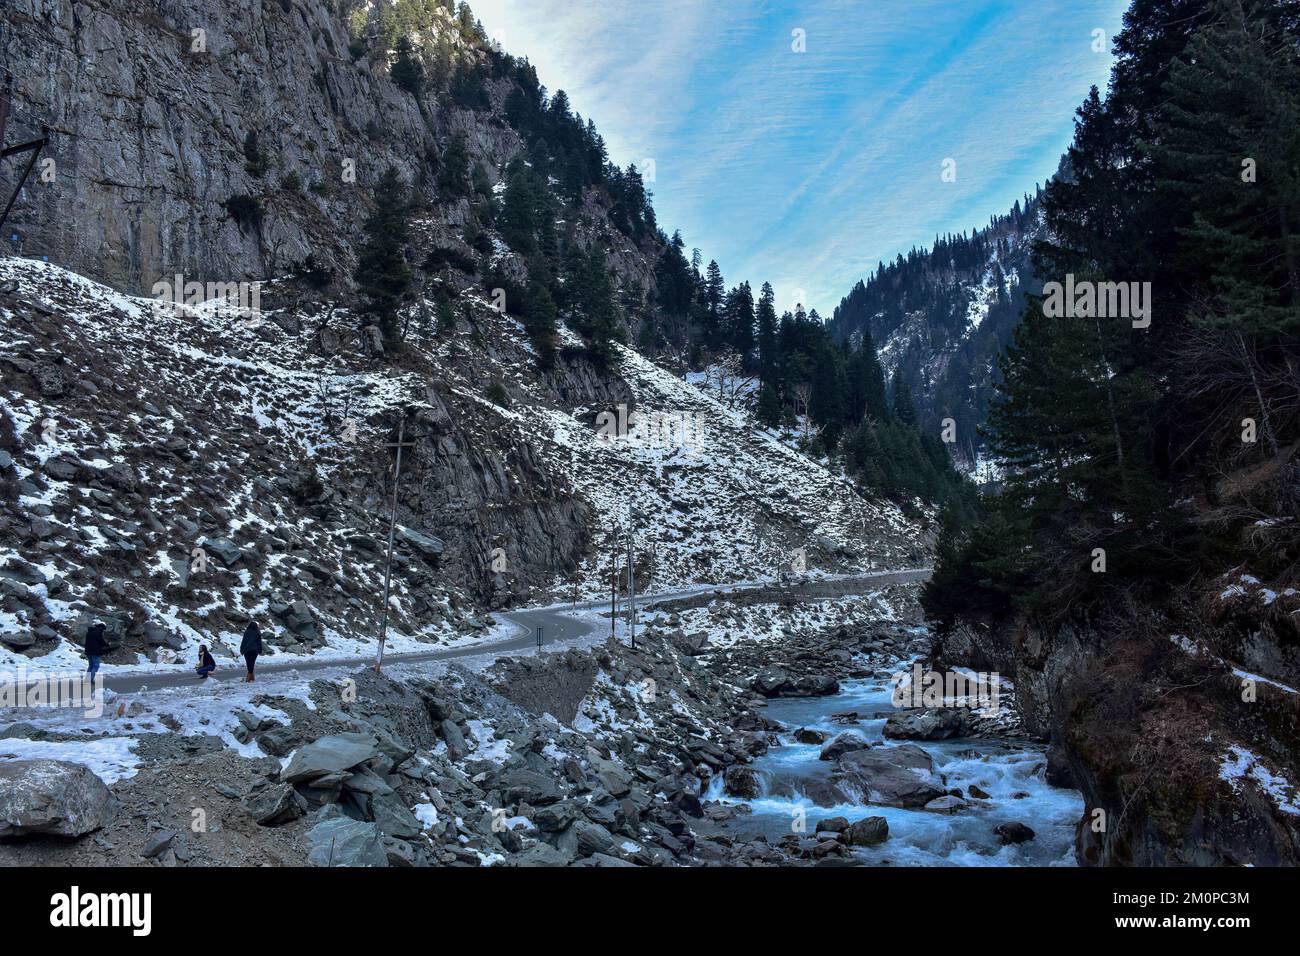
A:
[611,756]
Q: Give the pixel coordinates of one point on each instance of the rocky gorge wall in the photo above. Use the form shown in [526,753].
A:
[148,122]
[1183,756]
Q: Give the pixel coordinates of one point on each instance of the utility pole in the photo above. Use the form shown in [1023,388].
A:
[631,573]
[392,527]
[613,588]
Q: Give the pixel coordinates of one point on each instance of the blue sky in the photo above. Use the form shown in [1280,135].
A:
[806,169]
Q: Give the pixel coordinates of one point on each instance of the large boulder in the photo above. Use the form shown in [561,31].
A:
[541,855]
[812,685]
[770,681]
[297,617]
[520,783]
[329,755]
[275,804]
[393,818]
[842,744]
[901,776]
[52,796]
[426,544]
[225,550]
[936,724]
[342,841]
[810,735]
[867,832]
[741,781]
[1015,832]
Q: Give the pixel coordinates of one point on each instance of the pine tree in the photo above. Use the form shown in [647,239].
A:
[1228,138]
[382,275]
[593,313]
[714,292]
[739,310]
[540,323]
[522,211]
[407,70]
[453,174]
[768,359]
[769,405]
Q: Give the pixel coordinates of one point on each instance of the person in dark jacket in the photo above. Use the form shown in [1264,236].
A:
[206,664]
[251,646]
[96,647]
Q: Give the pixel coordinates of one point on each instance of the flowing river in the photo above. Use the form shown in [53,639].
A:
[1009,771]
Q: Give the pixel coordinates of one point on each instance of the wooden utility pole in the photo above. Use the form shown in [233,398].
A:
[631,573]
[613,588]
[392,527]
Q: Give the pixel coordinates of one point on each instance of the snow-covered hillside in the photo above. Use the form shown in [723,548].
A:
[175,473]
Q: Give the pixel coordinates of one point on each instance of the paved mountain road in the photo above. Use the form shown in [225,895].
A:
[557,625]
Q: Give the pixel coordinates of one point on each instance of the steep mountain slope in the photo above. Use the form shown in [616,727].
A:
[177,471]
[234,140]
[940,318]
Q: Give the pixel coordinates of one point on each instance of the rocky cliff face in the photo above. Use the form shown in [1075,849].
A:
[1180,726]
[150,106]
[177,471]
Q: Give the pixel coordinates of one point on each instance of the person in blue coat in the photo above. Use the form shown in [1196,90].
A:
[96,648]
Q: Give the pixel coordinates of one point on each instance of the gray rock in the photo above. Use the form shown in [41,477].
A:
[393,817]
[331,754]
[341,841]
[832,825]
[519,783]
[52,796]
[937,724]
[556,817]
[455,739]
[901,776]
[843,743]
[157,844]
[591,838]
[1015,832]
[297,617]
[18,640]
[278,741]
[426,544]
[770,681]
[741,781]
[275,804]
[868,831]
[807,735]
[224,550]
[541,854]
[947,803]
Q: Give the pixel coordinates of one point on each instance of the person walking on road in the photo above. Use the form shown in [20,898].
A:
[96,648]
[206,664]
[251,646]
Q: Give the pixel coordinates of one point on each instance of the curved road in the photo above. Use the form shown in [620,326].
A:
[557,626]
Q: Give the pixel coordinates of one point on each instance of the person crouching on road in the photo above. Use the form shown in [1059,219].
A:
[251,646]
[206,664]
